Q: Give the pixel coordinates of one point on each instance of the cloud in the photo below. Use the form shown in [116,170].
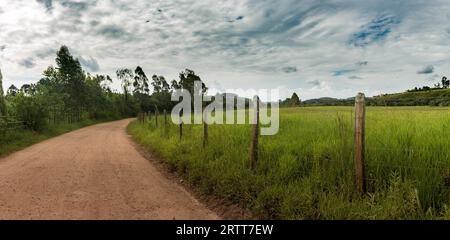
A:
[112,31]
[238,18]
[362,63]
[376,30]
[434,78]
[48,4]
[78,6]
[341,72]
[90,63]
[314,83]
[289,69]
[348,46]
[2,48]
[426,70]
[44,53]
[27,63]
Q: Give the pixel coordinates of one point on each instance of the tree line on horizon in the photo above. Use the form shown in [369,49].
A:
[443,84]
[68,93]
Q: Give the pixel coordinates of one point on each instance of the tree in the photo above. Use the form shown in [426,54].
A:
[161,92]
[72,77]
[140,83]
[187,79]
[126,77]
[445,82]
[2,97]
[12,90]
[295,100]
[187,82]
[160,84]
[30,109]
[292,102]
[28,89]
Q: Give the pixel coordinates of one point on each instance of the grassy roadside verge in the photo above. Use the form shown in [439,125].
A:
[19,139]
[306,170]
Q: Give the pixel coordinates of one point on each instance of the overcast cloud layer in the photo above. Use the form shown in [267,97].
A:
[317,48]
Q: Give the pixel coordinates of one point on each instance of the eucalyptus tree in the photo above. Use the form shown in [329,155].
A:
[140,83]
[126,77]
[2,97]
[72,77]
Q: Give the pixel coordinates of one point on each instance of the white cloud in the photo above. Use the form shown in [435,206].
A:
[234,43]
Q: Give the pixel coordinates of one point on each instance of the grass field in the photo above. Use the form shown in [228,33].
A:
[18,139]
[306,171]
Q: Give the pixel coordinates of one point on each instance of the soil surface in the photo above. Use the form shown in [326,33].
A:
[91,173]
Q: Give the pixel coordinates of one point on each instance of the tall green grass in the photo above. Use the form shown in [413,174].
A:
[306,171]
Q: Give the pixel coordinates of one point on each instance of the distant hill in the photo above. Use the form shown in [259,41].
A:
[432,97]
[327,101]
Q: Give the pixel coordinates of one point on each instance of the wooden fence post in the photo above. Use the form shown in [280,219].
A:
[205,130]
[360,115]
[181,125]
[255,135]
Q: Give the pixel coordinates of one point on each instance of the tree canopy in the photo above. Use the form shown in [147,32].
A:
[2,96]
[67,93]
[293,101]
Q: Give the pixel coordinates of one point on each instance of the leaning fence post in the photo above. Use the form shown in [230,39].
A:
[255,134]
[360,114]
[205,130]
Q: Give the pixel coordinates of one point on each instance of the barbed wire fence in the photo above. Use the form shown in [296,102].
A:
[362,152]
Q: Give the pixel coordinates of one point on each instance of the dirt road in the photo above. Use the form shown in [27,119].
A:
[91,173]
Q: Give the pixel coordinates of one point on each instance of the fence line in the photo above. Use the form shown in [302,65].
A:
[360,149]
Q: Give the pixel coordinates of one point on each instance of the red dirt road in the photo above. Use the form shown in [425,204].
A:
[91,173]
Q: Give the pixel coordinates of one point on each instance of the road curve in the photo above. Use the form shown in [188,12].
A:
[91,173]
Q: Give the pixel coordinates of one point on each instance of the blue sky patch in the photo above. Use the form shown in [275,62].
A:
[377,30]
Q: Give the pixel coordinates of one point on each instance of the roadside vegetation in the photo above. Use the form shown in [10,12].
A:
[11,141]
[306,171]
[67,97]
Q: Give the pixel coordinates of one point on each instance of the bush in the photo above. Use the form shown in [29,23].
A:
[30,110]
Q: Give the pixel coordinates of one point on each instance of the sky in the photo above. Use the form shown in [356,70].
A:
[320,48]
